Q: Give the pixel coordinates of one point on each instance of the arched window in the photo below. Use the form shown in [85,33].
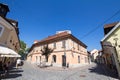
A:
[54,58]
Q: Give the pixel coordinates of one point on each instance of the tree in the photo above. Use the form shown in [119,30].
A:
[46,51]
[23,49]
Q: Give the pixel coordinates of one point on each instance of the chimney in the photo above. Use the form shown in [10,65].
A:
[3,10]
[36,41]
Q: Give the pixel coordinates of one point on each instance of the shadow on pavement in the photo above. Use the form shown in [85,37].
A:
[103,70]
[13,76]
[13,73]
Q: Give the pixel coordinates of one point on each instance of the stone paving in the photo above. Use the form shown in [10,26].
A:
[32,72]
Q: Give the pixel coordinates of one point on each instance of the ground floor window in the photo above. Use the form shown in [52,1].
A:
[40,58]
[31,58]
[78,59]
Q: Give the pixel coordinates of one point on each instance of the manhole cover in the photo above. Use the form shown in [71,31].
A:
[82,76]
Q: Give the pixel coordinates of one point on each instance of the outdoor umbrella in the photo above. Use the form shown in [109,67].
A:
[7,52]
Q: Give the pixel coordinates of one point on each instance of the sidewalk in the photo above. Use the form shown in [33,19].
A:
[64,68]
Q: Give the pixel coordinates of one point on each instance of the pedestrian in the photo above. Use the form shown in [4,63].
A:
[18,63]
[2,71]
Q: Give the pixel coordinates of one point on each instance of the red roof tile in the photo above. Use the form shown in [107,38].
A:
[56,37]
[110,25]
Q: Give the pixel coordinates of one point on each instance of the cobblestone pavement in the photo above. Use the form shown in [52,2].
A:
[32,72]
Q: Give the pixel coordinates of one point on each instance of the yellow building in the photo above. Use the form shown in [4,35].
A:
[67,50]
[9,39]
[111,46]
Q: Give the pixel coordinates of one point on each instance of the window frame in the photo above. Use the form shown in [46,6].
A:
[54,58]
[2,29]
[64,44]
[78,59]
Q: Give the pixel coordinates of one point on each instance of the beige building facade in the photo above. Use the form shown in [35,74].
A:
[9,37]
[67,50]
[94,54]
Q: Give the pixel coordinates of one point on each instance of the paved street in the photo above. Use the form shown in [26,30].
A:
[32,72]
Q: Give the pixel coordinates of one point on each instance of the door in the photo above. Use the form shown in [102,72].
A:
[63,60]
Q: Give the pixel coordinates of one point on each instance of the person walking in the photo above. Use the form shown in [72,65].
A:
[18,62]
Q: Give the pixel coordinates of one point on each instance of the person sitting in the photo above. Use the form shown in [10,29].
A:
[1,69]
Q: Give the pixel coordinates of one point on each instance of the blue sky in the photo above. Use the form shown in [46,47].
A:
[41,18]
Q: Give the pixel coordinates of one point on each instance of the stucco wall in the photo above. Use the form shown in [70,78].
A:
[71,51]
[9,36]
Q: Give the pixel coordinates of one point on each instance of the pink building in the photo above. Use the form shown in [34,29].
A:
[67,50]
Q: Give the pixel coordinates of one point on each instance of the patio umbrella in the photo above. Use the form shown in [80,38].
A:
[7,52]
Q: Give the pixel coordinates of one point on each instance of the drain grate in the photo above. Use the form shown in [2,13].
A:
[82,75]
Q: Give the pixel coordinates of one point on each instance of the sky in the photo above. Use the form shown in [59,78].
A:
[39,19]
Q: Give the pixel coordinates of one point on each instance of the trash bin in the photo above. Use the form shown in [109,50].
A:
[67,65]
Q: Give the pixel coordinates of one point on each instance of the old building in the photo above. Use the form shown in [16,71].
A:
[94,54]
[111,46]
[9,39]
[67,50]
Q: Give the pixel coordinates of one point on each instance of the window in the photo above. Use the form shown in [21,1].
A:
[40,58]
[54,58]
[73,45]
[63,44]
[10,41]
[31,58]
[86,60]
[1,30]
[78,46]
[36,50]
[36,59]
[54,45]
[33,50]
[78,59]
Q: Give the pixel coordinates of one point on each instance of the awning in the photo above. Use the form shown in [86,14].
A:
[10,55]
[7,52]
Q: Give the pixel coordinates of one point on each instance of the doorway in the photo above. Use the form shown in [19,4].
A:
[63,60]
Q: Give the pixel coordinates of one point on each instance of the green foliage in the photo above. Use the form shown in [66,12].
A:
[27,49]
[46,51]
[23,49]
[23,45]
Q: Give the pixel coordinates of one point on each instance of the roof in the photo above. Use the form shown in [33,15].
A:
[110,25]
[106,36]
[57,37]
[94,51]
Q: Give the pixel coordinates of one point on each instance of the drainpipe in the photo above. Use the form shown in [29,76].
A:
[117,61]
